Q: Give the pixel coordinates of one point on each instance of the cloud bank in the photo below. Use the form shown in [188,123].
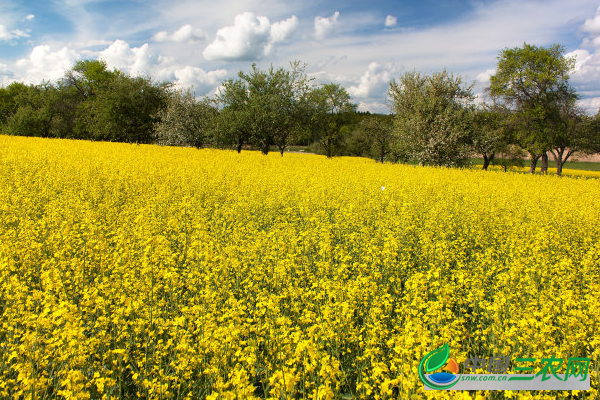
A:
[201,44]
[249,38]
[44,63]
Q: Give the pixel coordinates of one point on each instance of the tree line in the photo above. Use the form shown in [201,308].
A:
[530,110]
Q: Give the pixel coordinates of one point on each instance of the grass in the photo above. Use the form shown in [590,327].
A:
[578,165]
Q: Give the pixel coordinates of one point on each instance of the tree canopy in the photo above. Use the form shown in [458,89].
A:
[264,107]
[533,83]
[431,122]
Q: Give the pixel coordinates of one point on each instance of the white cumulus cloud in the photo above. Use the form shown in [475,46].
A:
[484,77]
[586,74]
[249,38]
[44,63]
[6,35]
[187,33]
[390,21]
[482,83]
[592,25]
[30,17]
[325,26]
[141,61]
[133,60]
[587,70]
[203,82]
[280,32]
[374,82]
[283,30]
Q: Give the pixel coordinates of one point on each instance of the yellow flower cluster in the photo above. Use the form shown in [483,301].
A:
[171,273]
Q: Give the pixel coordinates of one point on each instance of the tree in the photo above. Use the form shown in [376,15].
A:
[359,143]
[489,134]
[66,106]
[126,110]
[330,109]
[508,156]
[185,121]
[294,106]
[431,125]
[233,122]
[533,82]
[36,109]
[373,137]
[9,100]
[88,77]
[575,132]
[82,84]
[264,107]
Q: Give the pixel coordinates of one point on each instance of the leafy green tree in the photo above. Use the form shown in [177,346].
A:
[82,84]
[9,97]
[185,121]
[293,105]
[432,125]
[359,143]
[576,132]
[88,77]
[232,125]
[26,121]
[36,111]
[331,109]
[266,104]
[533,82]
[489,133]
[126,110]
[264,107]
[373,137]
[66,106]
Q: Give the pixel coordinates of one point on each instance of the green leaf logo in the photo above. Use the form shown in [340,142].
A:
[432,361]
[437,358]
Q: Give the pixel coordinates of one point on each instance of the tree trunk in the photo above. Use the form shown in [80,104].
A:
[329,149]
[486,162]
[281,149]
[239,147]
[534,160]
[560,161]
[265,148]
[47,126]
[381,156]
[544,167]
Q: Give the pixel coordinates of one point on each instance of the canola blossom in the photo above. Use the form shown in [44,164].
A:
[132,271]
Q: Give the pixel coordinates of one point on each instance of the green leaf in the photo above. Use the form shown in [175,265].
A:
[437,358]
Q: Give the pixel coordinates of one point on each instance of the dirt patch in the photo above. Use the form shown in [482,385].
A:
[586,158]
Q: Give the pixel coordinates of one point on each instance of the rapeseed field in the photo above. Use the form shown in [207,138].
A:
[133,271]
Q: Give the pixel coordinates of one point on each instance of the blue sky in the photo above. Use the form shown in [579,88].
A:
[357,44]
